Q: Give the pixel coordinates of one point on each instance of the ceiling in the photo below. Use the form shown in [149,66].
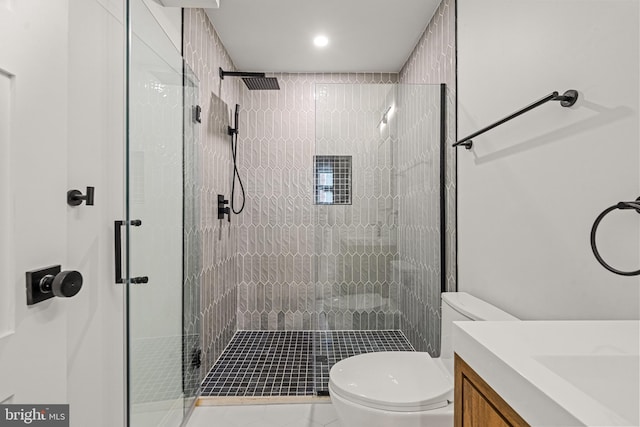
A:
[364,35]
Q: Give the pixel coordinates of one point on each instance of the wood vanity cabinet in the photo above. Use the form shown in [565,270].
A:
[476,404]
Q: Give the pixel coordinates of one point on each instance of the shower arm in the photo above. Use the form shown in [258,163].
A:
[253,80]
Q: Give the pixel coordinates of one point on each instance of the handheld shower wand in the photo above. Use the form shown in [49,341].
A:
[233,132]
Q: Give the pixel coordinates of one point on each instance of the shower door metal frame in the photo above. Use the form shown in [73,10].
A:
[443,187]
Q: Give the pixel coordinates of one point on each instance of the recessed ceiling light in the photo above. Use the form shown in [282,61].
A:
[321,41]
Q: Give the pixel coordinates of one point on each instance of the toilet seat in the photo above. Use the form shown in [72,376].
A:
[393,380]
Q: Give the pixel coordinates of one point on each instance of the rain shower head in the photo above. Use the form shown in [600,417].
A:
[263,83]
[253,81]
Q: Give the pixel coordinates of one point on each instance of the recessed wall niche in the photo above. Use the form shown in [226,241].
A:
[332,180]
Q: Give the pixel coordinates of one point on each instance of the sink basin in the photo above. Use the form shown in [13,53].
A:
[610,380]
[559,373]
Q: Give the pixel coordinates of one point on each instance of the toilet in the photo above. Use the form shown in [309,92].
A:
[406,389]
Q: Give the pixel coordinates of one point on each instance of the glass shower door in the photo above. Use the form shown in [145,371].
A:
[355,222]
[379,219]
[162,330]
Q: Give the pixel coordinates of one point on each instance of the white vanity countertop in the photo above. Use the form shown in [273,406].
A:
[559,373]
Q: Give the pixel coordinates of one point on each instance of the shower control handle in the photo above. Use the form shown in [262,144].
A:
[225,211]
[223,208]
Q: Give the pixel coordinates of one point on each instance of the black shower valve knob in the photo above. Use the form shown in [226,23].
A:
[75,197]
[48,282]
[64,284]
[223,209]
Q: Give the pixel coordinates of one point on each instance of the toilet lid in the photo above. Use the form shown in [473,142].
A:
[393,380]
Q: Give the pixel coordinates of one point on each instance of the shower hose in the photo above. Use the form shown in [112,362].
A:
[236,174]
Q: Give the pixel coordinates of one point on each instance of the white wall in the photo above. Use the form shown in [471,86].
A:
[33,65]
[95,347]
[530,190]
[170,19]
[6,287]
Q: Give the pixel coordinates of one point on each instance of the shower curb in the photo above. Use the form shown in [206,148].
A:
[257,400]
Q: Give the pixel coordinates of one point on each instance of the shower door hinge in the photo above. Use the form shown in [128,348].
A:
[196,358]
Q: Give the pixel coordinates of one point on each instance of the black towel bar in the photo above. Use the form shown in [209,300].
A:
[567,99]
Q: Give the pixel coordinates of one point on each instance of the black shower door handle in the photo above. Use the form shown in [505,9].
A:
[117,229]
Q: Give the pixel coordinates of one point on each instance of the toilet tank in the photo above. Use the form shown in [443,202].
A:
[462,306]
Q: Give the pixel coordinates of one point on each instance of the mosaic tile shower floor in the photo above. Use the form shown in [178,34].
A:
[290,363]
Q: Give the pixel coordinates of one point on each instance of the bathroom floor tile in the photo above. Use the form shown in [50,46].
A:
[289,415]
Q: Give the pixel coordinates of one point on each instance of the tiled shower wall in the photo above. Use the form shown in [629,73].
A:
[278,239]
[433,61]
[210,244]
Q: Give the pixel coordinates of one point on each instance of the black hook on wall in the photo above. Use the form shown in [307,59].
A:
[75,197]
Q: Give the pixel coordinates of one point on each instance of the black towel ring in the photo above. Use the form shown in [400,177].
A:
[623,206]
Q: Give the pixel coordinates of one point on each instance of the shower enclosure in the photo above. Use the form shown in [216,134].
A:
[339,251]
[340,248]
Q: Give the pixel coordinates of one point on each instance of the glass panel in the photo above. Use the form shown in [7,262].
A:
[357,242]
[418,273]
[192,352]
[378,260]
[163,332]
